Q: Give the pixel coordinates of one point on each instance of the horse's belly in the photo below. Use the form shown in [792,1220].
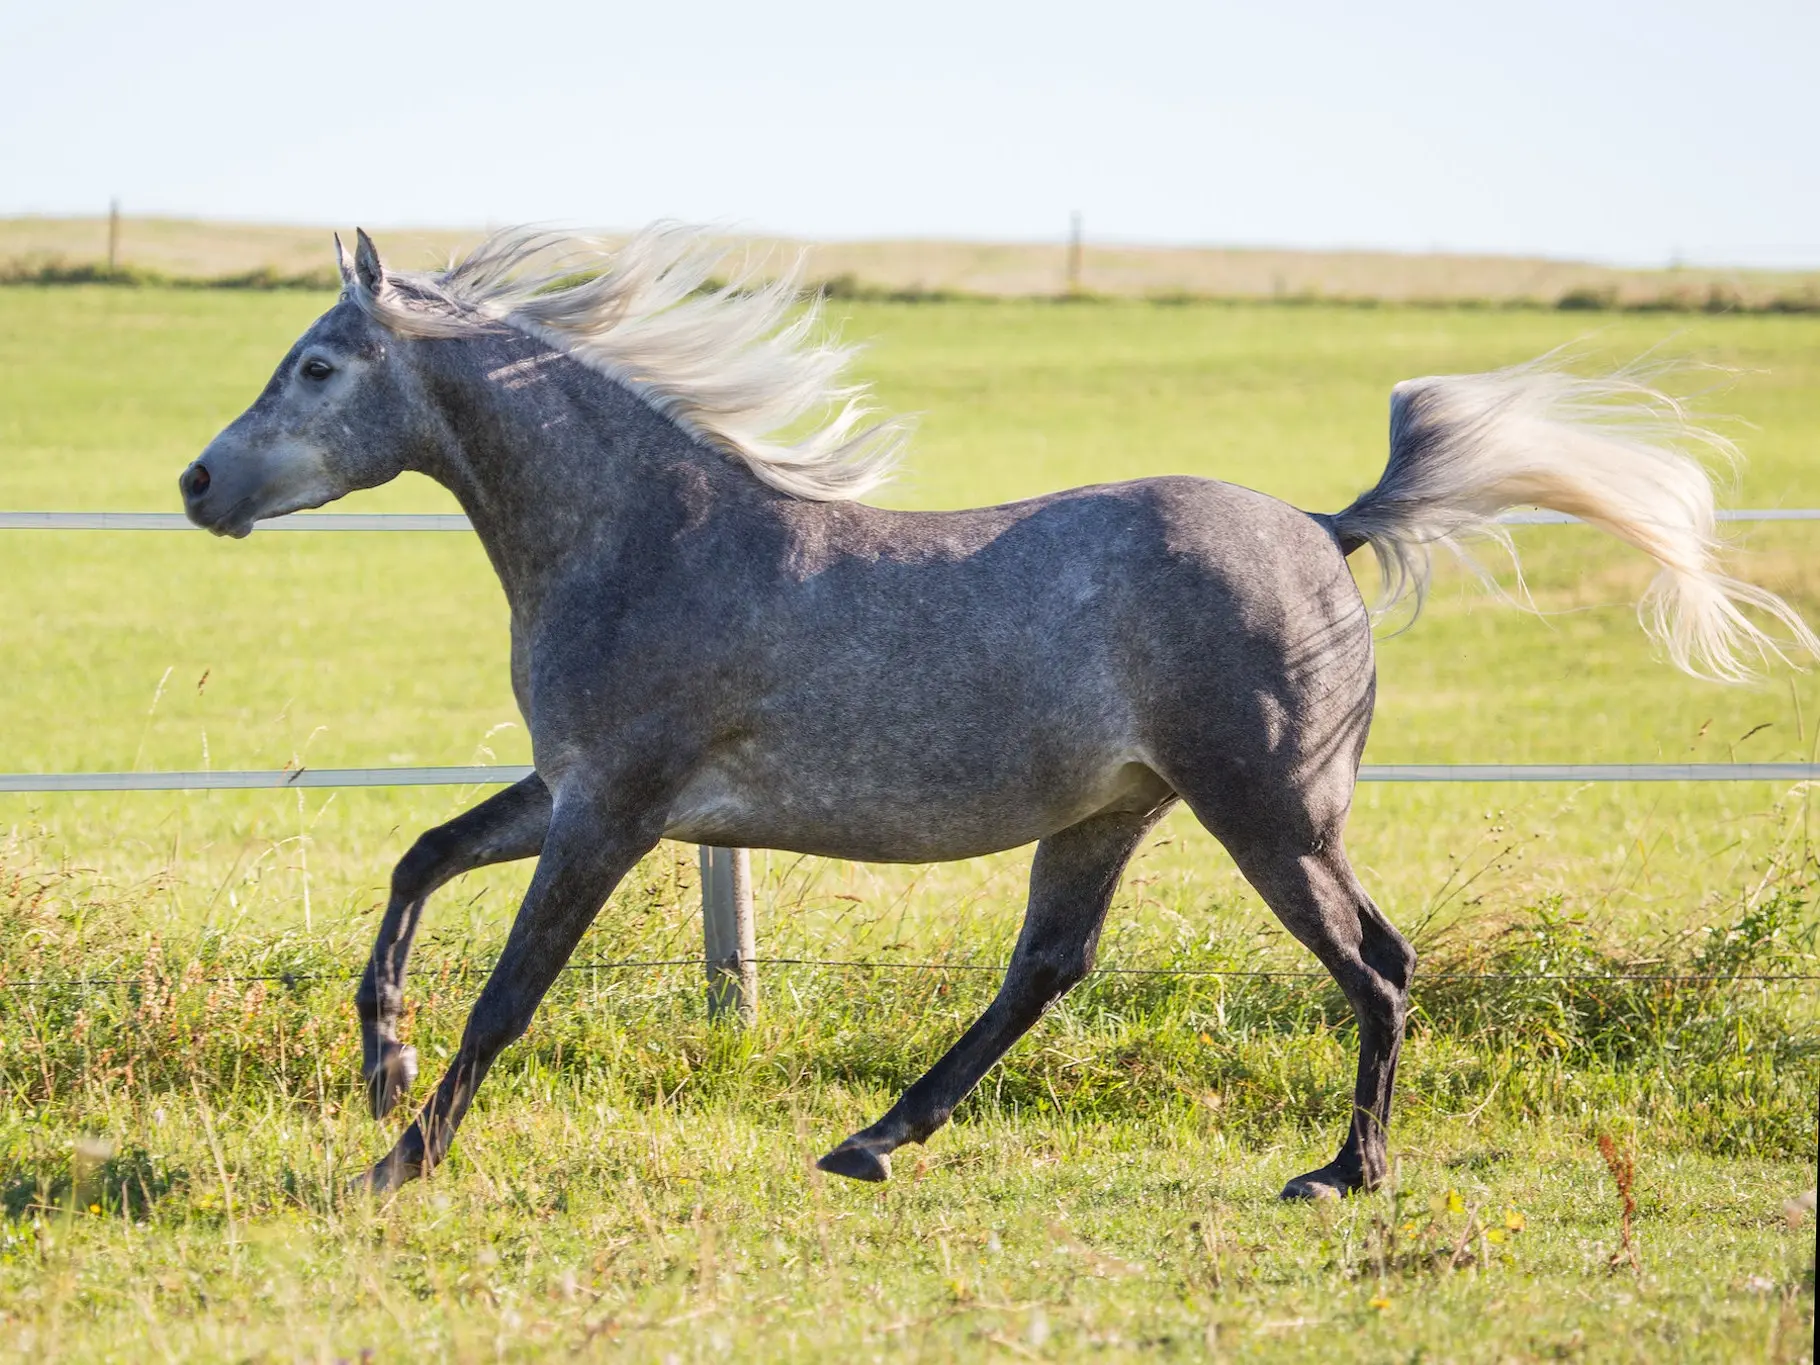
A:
[867,818]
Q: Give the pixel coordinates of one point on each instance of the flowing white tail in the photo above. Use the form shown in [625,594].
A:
[1614,452]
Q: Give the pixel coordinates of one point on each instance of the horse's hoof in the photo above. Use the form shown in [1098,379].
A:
[857,1163]
[1326,1183]
[388,1082]
[388,1176]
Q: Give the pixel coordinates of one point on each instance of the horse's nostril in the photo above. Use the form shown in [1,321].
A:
[198,481]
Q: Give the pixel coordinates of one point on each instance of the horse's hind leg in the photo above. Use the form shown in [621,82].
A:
[506,826]
[1321,902]
[1071,884]
[1286,839]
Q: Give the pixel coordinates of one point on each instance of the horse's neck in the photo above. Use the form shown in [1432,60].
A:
[558,466]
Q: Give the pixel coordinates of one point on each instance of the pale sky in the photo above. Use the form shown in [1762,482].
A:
[1634,133]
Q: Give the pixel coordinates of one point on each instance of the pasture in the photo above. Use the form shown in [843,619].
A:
[635,1182]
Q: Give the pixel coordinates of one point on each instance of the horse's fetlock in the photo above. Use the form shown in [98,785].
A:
[929,1124]
[389,1075]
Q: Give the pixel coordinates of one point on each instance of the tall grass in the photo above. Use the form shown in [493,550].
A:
[1703,1039]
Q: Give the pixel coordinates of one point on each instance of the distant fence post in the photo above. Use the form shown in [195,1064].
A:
[729,937]
[1074,252]
[113,236]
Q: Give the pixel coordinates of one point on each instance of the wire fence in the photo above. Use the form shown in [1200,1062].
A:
[470,969]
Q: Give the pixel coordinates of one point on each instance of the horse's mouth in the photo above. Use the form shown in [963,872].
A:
[236,522]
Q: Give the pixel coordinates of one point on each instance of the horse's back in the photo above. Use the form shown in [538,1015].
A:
[1170,571]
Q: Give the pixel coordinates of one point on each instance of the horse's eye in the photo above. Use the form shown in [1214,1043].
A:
[317,368]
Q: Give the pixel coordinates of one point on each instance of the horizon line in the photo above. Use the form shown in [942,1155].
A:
[1061,242]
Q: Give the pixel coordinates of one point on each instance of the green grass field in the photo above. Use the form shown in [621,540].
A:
[634,1181]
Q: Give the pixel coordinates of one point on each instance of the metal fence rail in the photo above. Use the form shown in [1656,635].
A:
[176,521]
[255,780]
[1590,772]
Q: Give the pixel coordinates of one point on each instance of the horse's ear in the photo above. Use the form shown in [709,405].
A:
[368,269]
[345,263]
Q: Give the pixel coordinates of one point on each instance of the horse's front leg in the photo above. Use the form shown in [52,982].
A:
[506,826]
[590,845]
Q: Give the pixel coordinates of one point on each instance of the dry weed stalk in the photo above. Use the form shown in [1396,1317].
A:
[1623,1169]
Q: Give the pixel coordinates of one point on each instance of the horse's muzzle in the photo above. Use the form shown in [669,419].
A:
[218,513]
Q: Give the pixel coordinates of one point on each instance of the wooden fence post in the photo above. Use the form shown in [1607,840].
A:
[1075,253]
[729,937]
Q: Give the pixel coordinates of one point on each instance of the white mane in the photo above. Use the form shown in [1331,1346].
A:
[733,365]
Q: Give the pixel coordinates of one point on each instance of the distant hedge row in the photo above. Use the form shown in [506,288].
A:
[1716,299]
[94,272]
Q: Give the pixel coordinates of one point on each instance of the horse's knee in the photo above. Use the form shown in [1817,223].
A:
[415,875]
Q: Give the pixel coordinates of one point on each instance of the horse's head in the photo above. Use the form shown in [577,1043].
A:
[340,413]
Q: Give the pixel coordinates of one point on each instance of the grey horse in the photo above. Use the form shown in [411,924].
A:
[713,640]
